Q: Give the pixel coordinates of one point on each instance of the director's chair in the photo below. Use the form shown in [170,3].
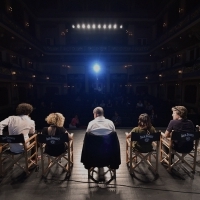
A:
[168,152]
[44,140]
[134,157]
[30,156]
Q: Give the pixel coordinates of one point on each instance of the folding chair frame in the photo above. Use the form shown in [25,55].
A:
[132,157]
[6,154]
[166,157]
[92,171]
[67,155]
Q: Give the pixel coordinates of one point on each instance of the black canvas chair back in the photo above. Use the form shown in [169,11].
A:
[52,140]
[144,138]
[12,139]
[185,136]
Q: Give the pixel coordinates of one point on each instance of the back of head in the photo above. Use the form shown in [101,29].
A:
[55,119]
[181,111]
[144,121]
[98,111]
[24,109]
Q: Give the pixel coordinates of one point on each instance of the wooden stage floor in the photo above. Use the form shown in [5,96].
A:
[167,186]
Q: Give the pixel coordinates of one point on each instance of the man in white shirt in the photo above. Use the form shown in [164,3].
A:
[100,125]
[21,123]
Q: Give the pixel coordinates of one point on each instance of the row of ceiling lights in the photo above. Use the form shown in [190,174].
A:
[96,26]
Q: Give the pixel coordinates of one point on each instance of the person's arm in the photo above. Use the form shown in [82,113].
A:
[3,124]
[32,129]
[128,135]
[168,130]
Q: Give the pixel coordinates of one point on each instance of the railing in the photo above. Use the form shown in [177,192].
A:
[96,49]
[12,25]
[188,19]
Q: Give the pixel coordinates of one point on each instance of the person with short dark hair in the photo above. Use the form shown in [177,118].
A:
[100,125]
[144,126]
[180,123]
[20,124]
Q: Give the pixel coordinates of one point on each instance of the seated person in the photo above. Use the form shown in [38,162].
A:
[180,123]
[116,119]
[56,121]
[100,125]
[144,126]
[21,123]
[75,122]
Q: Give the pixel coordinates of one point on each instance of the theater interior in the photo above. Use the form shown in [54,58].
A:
[70,56]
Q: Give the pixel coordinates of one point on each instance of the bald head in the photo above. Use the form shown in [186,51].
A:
[98,111]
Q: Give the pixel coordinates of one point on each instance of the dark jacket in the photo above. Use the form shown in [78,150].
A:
[101,151]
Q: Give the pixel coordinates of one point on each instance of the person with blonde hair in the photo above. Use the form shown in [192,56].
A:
[56,122]
[144,126]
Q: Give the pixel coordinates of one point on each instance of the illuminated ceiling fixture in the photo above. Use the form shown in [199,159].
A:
[115,26]
[99,26]
[83,26]
[121,26]
[33,76]
[104,26]
[78,25]
[88,26]
[109,26]
[73,26]
[93,26]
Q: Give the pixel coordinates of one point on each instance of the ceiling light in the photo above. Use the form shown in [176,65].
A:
[115,26]
[83,25]
[73,26]
[99,26]
[88,26]
[121,26]
[109,26]
[93,26]
[104,26]
[78,25]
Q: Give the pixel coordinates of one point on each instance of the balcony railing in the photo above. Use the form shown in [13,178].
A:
[184,22]
[96,49]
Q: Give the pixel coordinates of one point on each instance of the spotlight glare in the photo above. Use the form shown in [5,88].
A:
[121,26]
[104,26]
[88,26]
[93,26]
[115,26]
[109,26]
[96,68]
[73,26]
[99,26]
[83,25]
[78,25]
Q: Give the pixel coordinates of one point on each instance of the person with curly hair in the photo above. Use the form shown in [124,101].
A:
[144,126]
[56,122]
[19,124]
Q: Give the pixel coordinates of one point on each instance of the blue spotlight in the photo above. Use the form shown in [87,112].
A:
[96,68]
